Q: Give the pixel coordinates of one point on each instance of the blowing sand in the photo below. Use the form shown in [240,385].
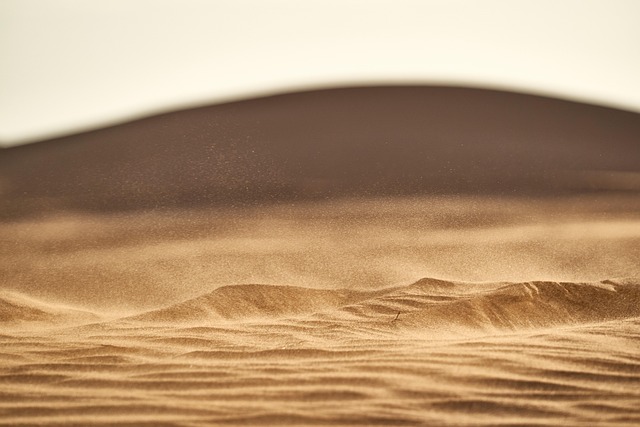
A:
[326,313]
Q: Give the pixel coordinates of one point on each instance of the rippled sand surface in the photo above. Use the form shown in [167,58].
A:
[155,319]
[434,352]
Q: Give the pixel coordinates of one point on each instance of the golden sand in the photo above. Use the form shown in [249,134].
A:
[316,314]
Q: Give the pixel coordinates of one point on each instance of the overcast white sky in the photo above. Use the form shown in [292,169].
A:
[69,65]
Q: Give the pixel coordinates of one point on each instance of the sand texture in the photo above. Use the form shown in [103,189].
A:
[392,255]
[315,314]
[434,353]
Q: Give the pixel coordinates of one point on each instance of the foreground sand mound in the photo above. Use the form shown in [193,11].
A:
[339,358]
[255,301]
[428,304]
[16,308]
[515,306]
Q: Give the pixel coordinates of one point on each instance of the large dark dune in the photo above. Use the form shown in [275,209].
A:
[352,141]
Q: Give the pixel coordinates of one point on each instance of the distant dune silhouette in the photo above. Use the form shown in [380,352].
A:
[361,141]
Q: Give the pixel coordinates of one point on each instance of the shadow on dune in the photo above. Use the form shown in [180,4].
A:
[362,141]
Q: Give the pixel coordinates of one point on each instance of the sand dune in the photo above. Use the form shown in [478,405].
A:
[350,195]
[16,308]
[531,305]
[554,353]
[360,141]
[243,302]
[428,303]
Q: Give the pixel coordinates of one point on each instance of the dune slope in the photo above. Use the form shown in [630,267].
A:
[16,309]
[362,141]
[243,302]
[428,303]
[535,305]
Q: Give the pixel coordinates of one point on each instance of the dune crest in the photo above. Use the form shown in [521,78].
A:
[537,304]
[426,304]
[254,301]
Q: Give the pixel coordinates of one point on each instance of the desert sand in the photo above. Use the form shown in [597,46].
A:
[353,256]
[404,311]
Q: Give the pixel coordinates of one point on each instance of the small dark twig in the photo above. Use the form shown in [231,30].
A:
[397,316]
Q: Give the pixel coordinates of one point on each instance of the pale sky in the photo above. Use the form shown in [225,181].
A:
[68,65]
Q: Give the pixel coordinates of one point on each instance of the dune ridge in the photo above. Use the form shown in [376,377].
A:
[248,301]
[536,304]
[427,303]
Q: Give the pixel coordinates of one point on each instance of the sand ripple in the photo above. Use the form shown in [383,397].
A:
[538,353]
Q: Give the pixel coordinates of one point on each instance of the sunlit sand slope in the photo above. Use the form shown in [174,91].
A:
[525,305]
[247,301]
[428,303]
[431,353]
[16,308]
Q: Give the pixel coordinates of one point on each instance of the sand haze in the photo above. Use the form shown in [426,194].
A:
[364,256]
